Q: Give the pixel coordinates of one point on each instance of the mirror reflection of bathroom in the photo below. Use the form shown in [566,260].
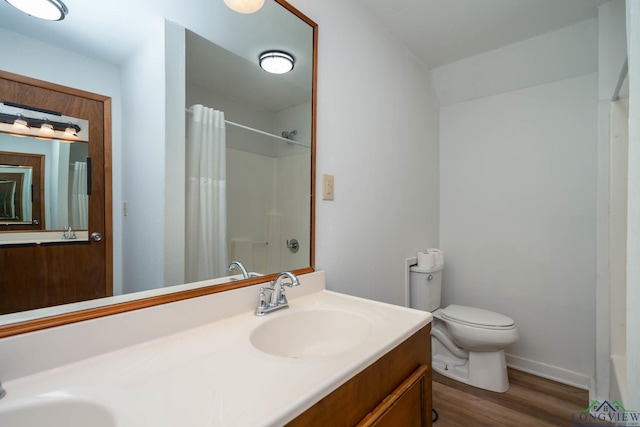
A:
[44,175]
[259,148]
[43,184]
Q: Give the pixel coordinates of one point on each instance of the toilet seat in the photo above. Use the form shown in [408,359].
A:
[476,317]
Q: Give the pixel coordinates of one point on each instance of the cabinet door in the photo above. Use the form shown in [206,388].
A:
[406,406]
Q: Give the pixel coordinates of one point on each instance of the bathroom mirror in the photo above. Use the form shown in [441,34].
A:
[95,32]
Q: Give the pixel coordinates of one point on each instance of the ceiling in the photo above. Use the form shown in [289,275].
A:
[440,32]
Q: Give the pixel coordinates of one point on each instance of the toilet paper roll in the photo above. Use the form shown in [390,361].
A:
[426,259]
[439,255]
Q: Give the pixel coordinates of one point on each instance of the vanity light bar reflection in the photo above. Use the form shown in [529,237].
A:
[24,120]
[23,125]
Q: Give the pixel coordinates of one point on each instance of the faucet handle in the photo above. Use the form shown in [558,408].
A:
[283,297]
[262,302]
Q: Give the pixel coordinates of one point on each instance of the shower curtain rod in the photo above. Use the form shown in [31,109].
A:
[291,141]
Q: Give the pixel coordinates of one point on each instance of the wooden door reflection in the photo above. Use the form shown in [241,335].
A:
[43,275]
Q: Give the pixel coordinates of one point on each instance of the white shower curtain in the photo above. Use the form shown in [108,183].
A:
[79,209]
[206,195]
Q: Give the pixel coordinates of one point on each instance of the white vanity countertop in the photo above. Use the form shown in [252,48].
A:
[212,375]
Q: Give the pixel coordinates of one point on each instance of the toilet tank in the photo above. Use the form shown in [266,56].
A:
[425,285]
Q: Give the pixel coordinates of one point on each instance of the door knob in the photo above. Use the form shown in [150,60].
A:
[96,237]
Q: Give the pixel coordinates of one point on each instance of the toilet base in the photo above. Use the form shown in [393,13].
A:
[482,369]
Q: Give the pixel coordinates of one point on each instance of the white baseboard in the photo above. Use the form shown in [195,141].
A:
[550,372]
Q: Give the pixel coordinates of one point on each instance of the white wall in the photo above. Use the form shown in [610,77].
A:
[518,218]
[143,165]
[378,135]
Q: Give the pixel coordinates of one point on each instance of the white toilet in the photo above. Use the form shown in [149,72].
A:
[467,343]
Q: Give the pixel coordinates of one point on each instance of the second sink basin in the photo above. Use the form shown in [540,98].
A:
[311,333]
[67,412]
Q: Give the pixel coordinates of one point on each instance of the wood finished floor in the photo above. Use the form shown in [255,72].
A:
[530,401]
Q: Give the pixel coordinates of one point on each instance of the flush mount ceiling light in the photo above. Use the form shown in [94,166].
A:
[276,62]
[244,6]
[51,10]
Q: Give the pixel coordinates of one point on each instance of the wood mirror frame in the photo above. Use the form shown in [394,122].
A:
[110,309]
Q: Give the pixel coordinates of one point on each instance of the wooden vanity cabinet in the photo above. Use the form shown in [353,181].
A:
[393,391]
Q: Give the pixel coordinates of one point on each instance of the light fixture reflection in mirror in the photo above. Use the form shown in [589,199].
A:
[46,128]
[71,131]
[50,10]
[244,6]
[20,124]
[276,62]
[19,120]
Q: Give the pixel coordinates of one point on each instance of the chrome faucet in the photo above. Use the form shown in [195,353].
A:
[238,264]
[3,393]
[277,298]
[68,234]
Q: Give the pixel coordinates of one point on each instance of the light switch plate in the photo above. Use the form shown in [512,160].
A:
[327,187]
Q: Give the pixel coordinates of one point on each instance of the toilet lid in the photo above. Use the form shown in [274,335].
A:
[476,316]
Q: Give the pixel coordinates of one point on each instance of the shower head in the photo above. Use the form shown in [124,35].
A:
[290,134]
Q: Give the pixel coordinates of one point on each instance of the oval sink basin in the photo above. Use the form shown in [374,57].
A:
[58,413]
[311,333]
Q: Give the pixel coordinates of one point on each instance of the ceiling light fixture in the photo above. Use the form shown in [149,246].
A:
[244,6]
[276,62]
[51,10]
